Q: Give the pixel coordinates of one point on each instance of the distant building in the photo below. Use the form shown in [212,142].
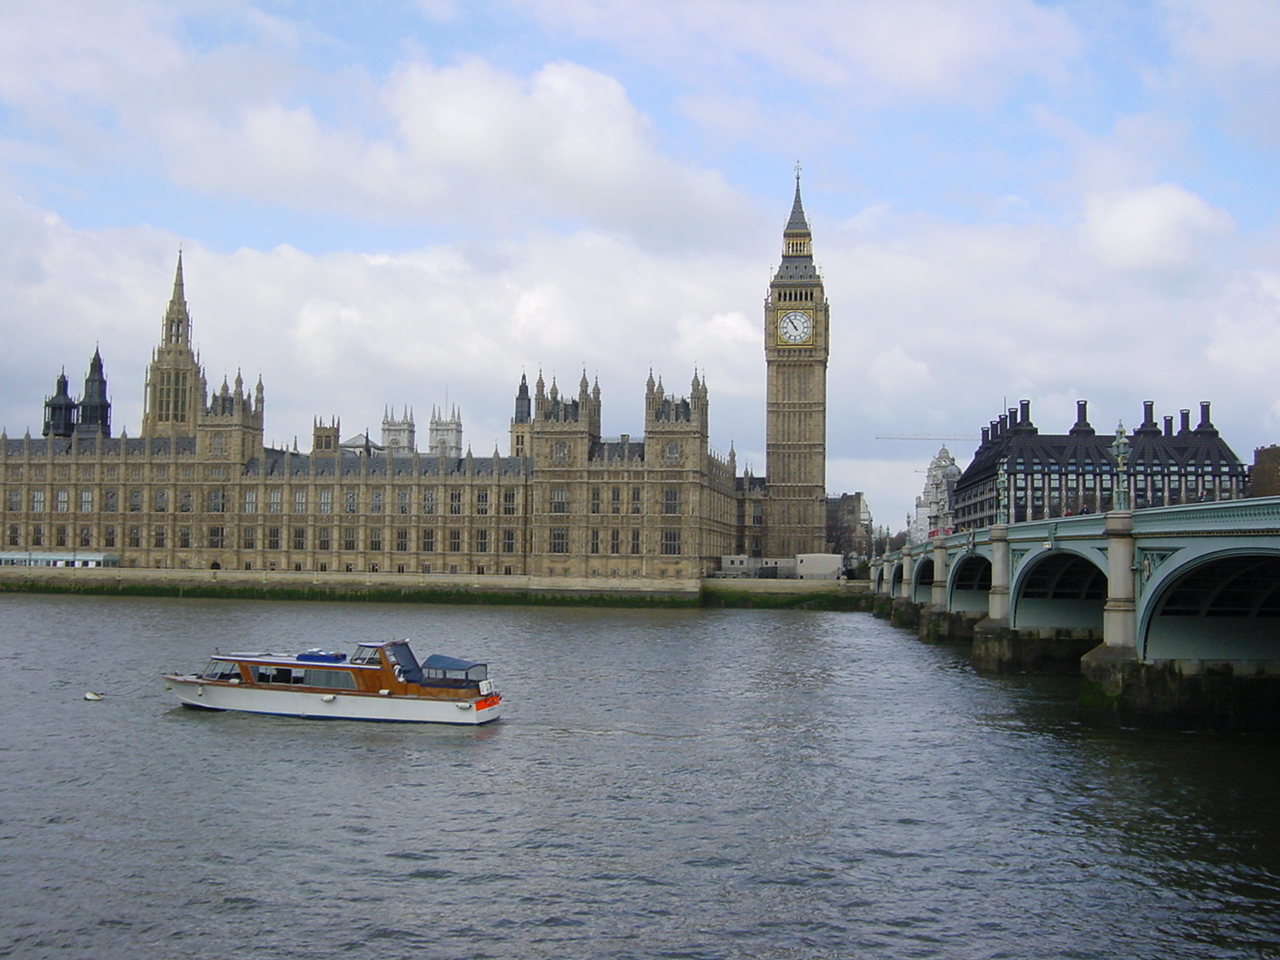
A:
[1264,478]
[398,435]
[1018,473]
[849,525]
[933,516]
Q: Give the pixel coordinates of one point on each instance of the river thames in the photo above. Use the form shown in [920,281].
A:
[664,784]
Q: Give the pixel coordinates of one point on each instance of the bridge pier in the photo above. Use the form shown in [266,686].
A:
[1118,690]
[1119,629]
[939,625]
[905,614]
[997,648]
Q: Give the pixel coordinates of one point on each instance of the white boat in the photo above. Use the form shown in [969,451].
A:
[379,681]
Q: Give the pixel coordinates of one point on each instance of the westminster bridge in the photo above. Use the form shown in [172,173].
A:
[1170,614]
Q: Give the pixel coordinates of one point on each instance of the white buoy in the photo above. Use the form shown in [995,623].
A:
[93,696]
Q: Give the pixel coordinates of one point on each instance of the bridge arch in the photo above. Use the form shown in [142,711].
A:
[1058,589]
[970,584]
[1218,606]
[895,580]
[922,583]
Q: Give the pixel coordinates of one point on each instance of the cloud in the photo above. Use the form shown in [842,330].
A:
[1229,48]
[1159,228]
[1225,38]
[238,116]
[876,50]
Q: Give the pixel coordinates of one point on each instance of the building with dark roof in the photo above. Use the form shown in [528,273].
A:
[1018,473]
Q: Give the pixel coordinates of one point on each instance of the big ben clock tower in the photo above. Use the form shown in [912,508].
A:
[796,344]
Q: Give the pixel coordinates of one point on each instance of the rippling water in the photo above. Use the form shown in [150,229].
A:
[666,784]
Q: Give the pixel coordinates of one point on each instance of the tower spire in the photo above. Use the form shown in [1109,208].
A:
[797,222]
[177,322]
[797,241]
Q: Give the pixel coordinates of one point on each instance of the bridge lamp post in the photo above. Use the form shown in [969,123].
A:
[1002,491]
[1120,450]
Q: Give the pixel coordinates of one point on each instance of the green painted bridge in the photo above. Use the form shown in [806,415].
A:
[1188,596]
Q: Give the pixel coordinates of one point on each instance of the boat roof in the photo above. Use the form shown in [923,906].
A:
[438,661]
[294,658]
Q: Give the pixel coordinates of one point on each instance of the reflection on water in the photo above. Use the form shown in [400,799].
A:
[665,784]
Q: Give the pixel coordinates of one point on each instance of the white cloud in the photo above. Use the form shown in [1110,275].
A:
[1229,48]
[462,143]
[1158,228]
[1228,36]
[894,372]
[873,49]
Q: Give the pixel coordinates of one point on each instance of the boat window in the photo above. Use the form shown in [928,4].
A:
[366,655]
[266,673]
[222,670]
[333,679]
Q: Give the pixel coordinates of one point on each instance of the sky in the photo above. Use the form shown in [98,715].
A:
[411,203]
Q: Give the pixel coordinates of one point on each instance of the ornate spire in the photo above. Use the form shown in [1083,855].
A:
[797,222]
[177,322]
[797,243]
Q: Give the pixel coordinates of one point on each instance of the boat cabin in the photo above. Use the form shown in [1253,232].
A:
[367,669]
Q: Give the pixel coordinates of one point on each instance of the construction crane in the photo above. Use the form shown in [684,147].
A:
[942,439]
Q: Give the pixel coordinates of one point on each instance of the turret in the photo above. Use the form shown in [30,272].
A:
[325,437]
[95,409]
[524,408]
[60,411]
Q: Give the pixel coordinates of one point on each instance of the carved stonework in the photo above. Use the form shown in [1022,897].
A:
[1148,561]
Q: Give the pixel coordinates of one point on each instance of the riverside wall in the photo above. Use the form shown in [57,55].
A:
[437,588]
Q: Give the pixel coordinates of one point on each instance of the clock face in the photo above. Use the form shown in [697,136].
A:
[795,327]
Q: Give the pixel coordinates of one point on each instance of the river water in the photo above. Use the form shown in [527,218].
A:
[665,784]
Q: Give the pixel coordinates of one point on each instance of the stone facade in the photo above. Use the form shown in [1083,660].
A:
[198,489]
[932,516]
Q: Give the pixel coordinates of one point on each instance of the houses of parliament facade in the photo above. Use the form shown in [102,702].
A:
[198,489]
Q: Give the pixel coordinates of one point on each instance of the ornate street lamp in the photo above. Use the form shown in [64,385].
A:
[1002,491]
[1120,450]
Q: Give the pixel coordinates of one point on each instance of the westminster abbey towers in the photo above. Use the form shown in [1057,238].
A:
[198,488]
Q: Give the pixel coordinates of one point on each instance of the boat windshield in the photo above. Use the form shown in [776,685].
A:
[366,655]
[221,670]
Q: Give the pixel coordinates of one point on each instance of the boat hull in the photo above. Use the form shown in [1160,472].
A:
[331,705]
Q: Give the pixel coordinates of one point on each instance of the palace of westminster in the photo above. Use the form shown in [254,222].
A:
[197,487]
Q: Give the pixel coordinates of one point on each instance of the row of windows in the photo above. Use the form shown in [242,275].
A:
[613,541]
[1138,466]
[401,539]
[635,503]
[218,500]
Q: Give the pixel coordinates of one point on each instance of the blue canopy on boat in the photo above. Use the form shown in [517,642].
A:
[438,661]
[440,667]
